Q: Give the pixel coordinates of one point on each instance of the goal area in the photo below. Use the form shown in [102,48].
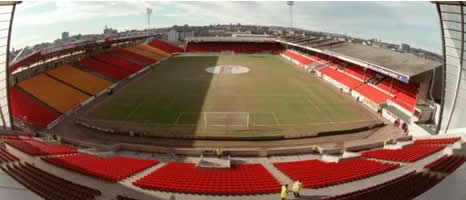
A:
[226,120]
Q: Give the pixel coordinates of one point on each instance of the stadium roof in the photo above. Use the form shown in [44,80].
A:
[403,63]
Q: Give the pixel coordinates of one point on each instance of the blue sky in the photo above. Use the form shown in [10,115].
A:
[415,23]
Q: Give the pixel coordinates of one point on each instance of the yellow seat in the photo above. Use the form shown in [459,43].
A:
[50,91]
[80,79]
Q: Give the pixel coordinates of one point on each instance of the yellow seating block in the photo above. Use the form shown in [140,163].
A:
[143,52]
[80,79]
[153,49]
[50,91]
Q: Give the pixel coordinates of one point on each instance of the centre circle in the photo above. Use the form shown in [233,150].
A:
[227,69]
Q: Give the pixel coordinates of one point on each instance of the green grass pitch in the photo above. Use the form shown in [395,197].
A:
[278,97]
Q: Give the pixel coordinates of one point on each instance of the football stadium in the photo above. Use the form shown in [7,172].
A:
[287,116]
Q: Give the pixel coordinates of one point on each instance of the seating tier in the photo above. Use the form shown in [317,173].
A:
[406,187]
[165,46]
[34,113]
[410,153]
[446,164]
[373,94]
[139,58]
[186,178]
[440,141]
[341,78]
[80,79]
[119,62]
[110,169]
[298,57]
[52,92]
[49,186]
[317,174]
[6,156]
[104,69]
[37,148]
[238,47]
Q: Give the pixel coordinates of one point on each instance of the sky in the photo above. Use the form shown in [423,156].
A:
[415,23]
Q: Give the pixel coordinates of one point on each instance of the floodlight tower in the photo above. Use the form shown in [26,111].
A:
[290,5]
[149,13]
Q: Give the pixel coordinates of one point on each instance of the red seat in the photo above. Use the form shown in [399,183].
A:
[34,147]
[110,169]
[410,153]
[186,178]
[165,46]
[317,174]
[23,106]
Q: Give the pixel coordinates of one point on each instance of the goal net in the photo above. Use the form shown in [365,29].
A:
[226,120]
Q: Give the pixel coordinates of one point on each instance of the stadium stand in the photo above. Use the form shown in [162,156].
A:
[110,169]
[119,62]
[446,164]
[342,78]
[238,47]
[24,108]
[6,157]
[405,94]
[317,174]
[410,153]
[440,141]
[373,94]
[405,187]
[152,49]
[48,186]
[186,178]
[165,46]
[143,52]
[55,94]
[298,57]
[358,72]
[136,57]
[80,79]
[37,148]
[104,69]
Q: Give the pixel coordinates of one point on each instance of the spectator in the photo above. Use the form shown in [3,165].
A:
[297,186]
[284,193]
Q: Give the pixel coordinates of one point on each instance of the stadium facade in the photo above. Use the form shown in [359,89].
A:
[451,15]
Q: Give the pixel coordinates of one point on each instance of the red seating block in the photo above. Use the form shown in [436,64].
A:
[410,153]
[6,156]
[186,178]
[119,62]
[110,169]
[37,148]
[47,185]
[373,94]
[317,174]
[104,69]
[406,187]
[440,141]
[446,163]
[136,57]
[23,106]
[238,47]
[341,78]
[298,57]
[165,46]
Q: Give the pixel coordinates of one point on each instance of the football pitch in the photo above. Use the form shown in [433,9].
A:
[179,97]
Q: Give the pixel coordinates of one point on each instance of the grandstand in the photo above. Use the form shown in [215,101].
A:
[139,118]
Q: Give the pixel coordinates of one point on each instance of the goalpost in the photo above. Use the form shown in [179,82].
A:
[226,120]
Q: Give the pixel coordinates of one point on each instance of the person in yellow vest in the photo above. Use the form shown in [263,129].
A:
[284,193]
[297,186]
